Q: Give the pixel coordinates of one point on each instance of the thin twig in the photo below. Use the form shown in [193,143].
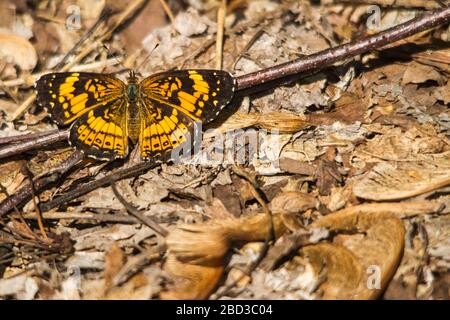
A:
[167,10]
[26,137]
[148,221]
[426,4]
[99,183]
[221,13]
[247,47]
[319,60]
[39,184]
[237,29]
[23,107]
[107,217]
[103,17]
[35,199]
[44,139]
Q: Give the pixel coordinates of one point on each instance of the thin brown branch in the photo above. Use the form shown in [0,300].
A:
[148,221]
[42,140]
[36,200]
[322,59]
[26,137]
[40,184]
[99,183]
[426,4]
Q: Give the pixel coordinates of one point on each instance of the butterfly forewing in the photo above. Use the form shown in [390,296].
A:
[68,95]
[199,94]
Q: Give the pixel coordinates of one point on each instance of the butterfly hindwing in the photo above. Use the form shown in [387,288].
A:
[102,133]
[199,94]
[68,95]
[165,133]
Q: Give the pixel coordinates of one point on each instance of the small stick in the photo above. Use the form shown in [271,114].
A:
[221,13]
[39,184]
[99,183]
[35,197]
[319,60]
[123,218]
[148,221]
[247,47]
[44,139]
[167,10]
[26,137]
[426,4]
[103,17]
[23,107]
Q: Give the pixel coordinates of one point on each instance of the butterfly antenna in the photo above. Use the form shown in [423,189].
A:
[116,57]
[147,57]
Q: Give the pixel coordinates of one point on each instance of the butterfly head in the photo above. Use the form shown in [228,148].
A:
[132,86]
[132,76]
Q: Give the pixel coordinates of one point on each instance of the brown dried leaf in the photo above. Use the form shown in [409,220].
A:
[191,281]
[293,202]
[11,177]
[420,73]
[280,121]
[392,182]
[378,252]
[114,261]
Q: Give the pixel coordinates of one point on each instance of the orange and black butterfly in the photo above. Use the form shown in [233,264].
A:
[159,112]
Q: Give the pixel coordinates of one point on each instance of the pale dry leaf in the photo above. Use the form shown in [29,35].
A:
[420,73]
[189,23]
[387,181]
[23,287]
[293,202]
[18,50]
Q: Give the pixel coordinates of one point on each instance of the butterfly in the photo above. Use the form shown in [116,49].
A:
[160,112]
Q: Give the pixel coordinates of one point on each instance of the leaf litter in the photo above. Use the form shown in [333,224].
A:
[353,163]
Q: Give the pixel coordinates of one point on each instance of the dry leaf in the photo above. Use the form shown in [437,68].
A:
[420,73]
[392,182]
[114,261]
[18,50]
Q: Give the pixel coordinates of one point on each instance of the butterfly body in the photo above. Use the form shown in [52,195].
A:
[158,112]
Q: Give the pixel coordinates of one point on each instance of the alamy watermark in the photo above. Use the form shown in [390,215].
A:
[374,18]
[73,20]
[233,147]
